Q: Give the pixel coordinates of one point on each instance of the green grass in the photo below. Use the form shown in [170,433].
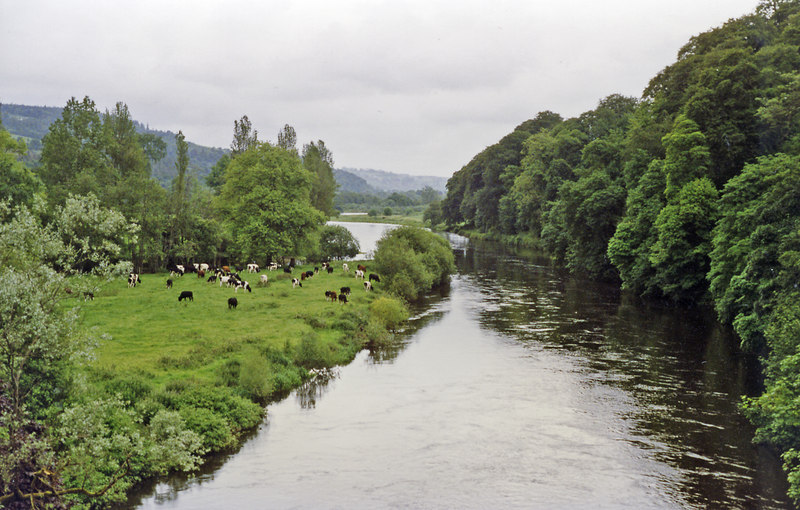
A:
[413,220]
[151,334]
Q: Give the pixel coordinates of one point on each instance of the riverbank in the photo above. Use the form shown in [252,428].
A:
[215,366]
[524,241]
[411,220]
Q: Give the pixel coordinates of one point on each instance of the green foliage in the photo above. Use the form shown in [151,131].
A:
[389,312]
[253,377]
[265,200]
[411,261]
[387,211]
[318,160]
[336,242]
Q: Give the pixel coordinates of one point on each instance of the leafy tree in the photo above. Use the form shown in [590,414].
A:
[287,138]
[265,201]
[180,241]
[244,136]
[336,242]
[433,214]
[216,178]
[73,156]
[17,182]
[318,160]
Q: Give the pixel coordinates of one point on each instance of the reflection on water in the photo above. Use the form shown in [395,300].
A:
[517,387]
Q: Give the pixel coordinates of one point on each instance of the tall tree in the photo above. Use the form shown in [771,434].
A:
[73,156]
[318,160]
[287,138]
[179,198]
[244,136]
[265,203]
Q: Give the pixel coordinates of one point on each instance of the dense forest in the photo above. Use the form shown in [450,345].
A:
[689,194]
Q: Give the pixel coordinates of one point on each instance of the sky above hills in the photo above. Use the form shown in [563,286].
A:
[416,87]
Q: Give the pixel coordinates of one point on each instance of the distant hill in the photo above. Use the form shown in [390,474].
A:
[351,182]
[32,122]
[387,181]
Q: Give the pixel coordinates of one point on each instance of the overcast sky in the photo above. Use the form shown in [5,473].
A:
[414,87]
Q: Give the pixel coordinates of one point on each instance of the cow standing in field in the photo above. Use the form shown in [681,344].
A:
[133,280]
[169,283]
[232,303]
[187,295]
[296,283]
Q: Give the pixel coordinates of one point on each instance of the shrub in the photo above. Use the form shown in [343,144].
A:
[388,312]
[214,430]
[131,388]
[253,377]
[412,261]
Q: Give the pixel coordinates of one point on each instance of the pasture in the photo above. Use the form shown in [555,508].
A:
[147,333]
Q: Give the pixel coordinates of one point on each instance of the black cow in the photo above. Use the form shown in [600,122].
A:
[169,283]
[345,291]
[212,278]
[309,274]
[342,299]
[287,269]
[329,269]
[186,294]
[232,303]
[374,277]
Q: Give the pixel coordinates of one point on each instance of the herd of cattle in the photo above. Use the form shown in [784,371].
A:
[228,276]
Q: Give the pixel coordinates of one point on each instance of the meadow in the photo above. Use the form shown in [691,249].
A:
[145,332]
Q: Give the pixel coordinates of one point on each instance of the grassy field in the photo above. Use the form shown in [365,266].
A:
[151,334]
[414,220]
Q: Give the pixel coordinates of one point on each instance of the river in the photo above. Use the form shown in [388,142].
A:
[519,386]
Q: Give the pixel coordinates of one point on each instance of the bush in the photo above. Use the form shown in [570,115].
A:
[388,312]
[372,212]
[214,430]
[253,377]
[387,211]
[412,261]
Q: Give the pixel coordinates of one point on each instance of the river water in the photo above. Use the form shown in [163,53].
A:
[517,387]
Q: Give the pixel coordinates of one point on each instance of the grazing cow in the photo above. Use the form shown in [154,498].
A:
[345,268]
[212,278]
[239,269]
[342,299]
[88,296]
[296,283]
[264,279]
[201,274]
[362,268]
[374,277]
[316,270]
[329,294]
[226,269]
[309,274]
[345,291]
[325,265]
[196,266]
[252,268]
[329,269]
[367,286]
[241,284]
[169,283]
[303,276]
[204,267]
[359,274]
[186,294]
[287,269]
[133,279]
[232,303]
[272,266]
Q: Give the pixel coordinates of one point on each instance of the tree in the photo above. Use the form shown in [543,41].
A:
[287,138]
[73,156]
[265,202]
[318,160]
[216,178]
[244,136]
[179,201]
[17,182]
[336,242]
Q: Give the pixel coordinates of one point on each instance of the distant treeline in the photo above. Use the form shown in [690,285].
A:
[689,194]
